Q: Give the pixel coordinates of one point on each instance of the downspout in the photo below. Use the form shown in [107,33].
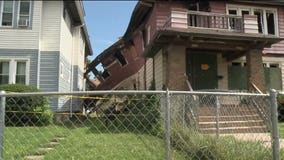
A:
[39,49]
[72,57]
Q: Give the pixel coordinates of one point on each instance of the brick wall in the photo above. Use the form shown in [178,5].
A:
[255,69]
[176,67]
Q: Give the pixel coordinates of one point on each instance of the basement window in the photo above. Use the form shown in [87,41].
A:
[120,58]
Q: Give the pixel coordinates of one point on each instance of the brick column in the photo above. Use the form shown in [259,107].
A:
[176,66]
[255,71]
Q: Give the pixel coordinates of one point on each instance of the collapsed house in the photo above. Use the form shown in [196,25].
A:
[184,45]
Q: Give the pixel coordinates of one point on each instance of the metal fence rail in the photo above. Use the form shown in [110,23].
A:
[139,125]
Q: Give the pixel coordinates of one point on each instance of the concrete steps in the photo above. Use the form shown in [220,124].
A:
[232,119]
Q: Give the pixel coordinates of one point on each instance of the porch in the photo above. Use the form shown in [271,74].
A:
[202,44]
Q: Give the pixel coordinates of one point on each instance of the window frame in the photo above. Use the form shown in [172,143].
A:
[13,68]
[251,12]
[8,69]
[18,12]
[1,16]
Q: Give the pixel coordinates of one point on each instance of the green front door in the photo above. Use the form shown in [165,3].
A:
[202,71]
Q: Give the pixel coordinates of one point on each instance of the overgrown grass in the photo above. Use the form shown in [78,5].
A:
[206,147]
[92,140]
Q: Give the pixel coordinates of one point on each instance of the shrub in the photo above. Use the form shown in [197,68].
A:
[29,110]
[280,99]
[144,113]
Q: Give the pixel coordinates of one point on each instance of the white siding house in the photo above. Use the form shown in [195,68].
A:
[44,44]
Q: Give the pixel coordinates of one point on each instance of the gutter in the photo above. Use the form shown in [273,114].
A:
[81,13]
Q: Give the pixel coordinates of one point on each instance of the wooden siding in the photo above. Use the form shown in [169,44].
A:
[65,78]
[49,70]
[158,59]
[51,25]
[12,38]
[217,7]
[149,72]
[160,14]
[278,48]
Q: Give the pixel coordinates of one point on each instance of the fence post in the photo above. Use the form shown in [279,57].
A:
[2,123]
[274,119]
[217,116]
[168,126]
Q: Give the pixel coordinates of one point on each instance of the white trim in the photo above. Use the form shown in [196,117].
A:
[2,7]
[251,9]
[13,68]
[61,73]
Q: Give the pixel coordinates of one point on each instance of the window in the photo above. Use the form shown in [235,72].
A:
[120,58]
[7,13]
[270,22]
[21,72]
[61,69]
[105,74]
[232,22]
[102,71]
[4,72]
[13,71]
[24,13]
[266,18]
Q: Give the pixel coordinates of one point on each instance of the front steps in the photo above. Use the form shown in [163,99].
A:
[232,119]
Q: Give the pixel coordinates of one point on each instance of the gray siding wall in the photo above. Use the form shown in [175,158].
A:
[30,54]
[49,75]
[64,83]
[76,102]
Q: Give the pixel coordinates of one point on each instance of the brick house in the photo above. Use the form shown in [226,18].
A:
[228,45]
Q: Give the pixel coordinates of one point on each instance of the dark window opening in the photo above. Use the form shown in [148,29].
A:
[144,34]
[120,58]
[274,65]
[270,23]
[236,64]
[105,74]
[102,71]
[245,12]
[259,21]
[232,22]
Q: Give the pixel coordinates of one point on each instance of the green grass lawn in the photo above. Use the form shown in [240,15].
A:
[87,141]
[92,140]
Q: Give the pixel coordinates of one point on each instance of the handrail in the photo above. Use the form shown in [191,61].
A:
[212,14]
[256,88]
[262,112]
[194,98]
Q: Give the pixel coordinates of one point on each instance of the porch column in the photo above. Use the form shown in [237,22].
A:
[255,71]
[176,68]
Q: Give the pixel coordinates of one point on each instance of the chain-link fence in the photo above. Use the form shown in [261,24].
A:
[139,125]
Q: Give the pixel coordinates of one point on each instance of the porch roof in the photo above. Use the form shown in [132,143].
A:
[214,40]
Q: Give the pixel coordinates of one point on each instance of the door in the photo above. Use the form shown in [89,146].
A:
[202,71]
